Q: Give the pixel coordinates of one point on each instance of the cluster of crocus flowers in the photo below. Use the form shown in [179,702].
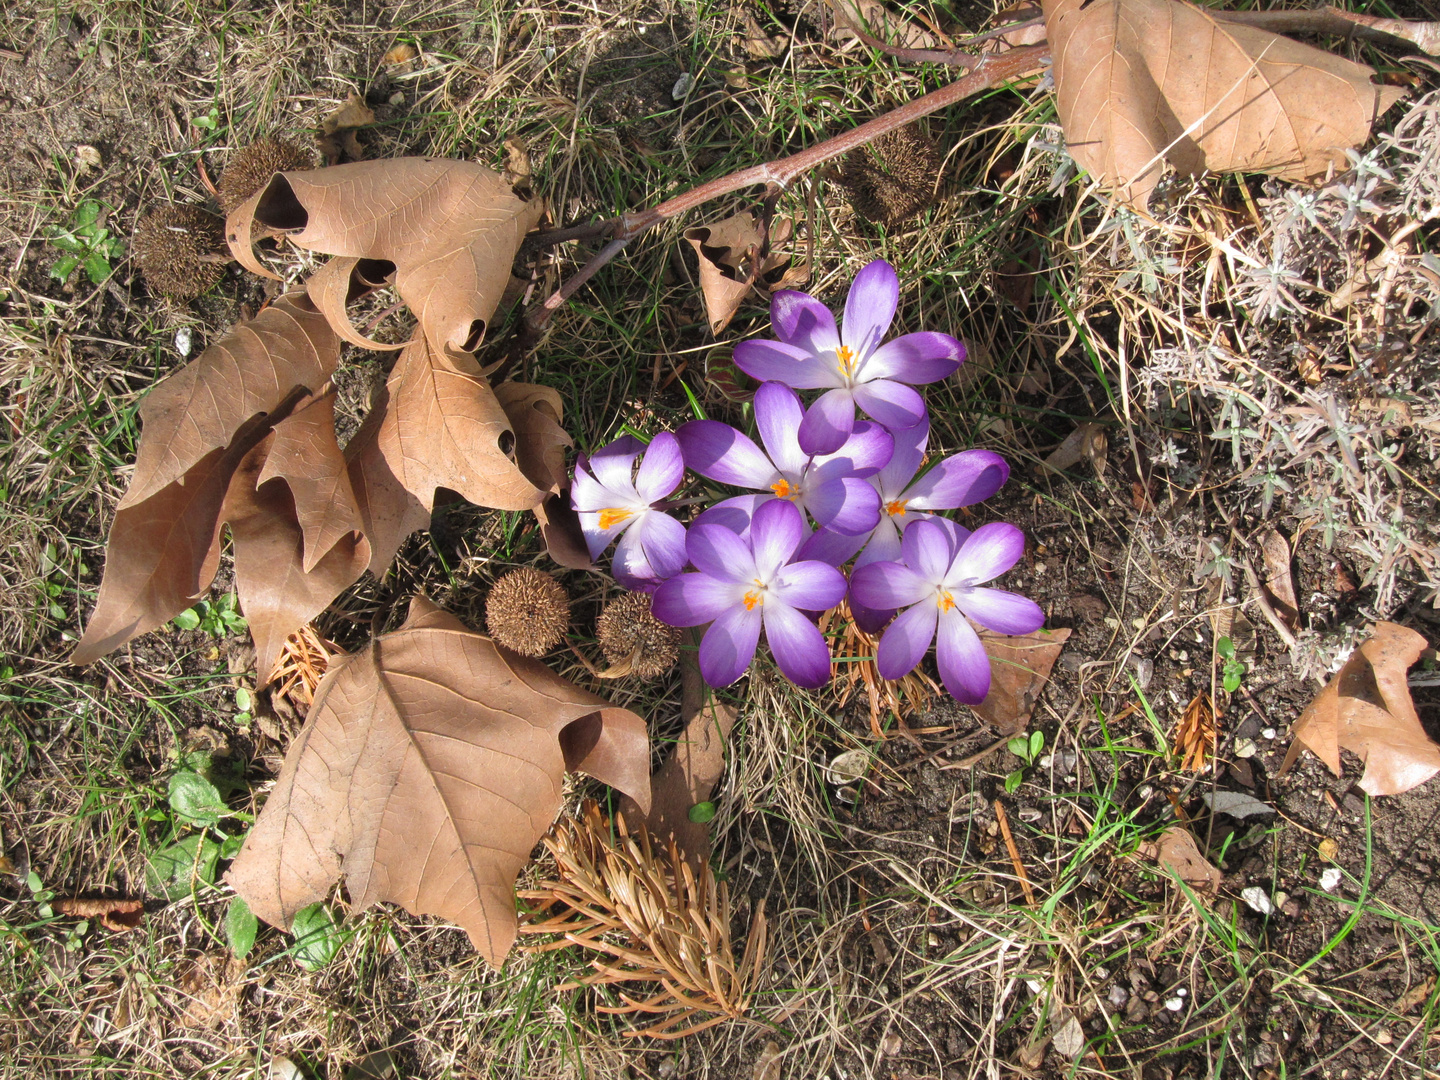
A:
[827,490]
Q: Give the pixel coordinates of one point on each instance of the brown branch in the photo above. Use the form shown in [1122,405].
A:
[1331,20]
[781,173]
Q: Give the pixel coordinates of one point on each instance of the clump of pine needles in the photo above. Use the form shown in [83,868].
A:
[652,921]
[854,652]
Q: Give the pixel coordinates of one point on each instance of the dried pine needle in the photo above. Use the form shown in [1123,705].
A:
[651,920]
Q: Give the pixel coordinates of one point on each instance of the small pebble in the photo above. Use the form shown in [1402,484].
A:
[1245,748]
[1175,1004]
[682,86]
[1182,992]
[397,98]
[1118,996]
[184,339]
[1255,897]
[1269,733]
[1280,897]
[1330,878]
[1029,814]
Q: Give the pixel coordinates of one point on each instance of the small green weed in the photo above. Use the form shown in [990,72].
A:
[1028,751]
[87,243]
[1233,671]
[219,619]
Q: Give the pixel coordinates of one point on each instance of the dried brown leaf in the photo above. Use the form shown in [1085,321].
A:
[734,253]
[691,770]
[1278,583]
[541,442]
[1088,442]
[278,592]
[1177,852]
[336,138]
[451,229]
[1019,669]
[1367,709]
[116,915]
[428,768]
[1139,83]
[438,425]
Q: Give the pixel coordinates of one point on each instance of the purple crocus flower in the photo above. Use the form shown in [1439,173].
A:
[938,583]
[741,587]
[832,488]
[613,504]
[962,479]
[850,363]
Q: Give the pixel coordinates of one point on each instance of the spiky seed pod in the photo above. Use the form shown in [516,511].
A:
[903,188]
[527,611]
[171,244]
[630,634]
[251,168]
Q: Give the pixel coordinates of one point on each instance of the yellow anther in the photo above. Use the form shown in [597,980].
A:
[752,598]
[783,489]
[613,516]
[946,601]
[895,508]
[846,356]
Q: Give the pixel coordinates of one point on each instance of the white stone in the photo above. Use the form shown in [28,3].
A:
[1330,878]
[1255,897]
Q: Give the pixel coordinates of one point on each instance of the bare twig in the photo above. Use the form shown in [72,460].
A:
[1332,20]
[780,174]
[1014,853]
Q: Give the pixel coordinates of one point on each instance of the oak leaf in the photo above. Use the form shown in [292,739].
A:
[1367,709]
[1177,851]
[114,914]
[451,229]
[430,765]
[734,255]
[1139,83]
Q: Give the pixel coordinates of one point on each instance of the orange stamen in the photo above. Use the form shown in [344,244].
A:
[752,598]
[946,601]
[895,508]
[612,517]
[783,489]
[846,356]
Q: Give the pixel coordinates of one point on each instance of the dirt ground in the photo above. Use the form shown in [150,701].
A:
[907,941]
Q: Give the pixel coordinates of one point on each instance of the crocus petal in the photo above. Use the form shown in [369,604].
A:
[828,422]
[777,417]
[905,641]
[962,479]
[694,599]
[629,560]
[869,619]
[661,469]
[928,551]
[662,539]
[788,364]
[849,505]
[809,586]
[964,666]
[870,307]
[801,320]
[776,531]
[715,550]
[831,547]
[596,538]
[720,452]
[905,459]
[915,358]
[884,545]
[611,465]
[888,585]
[729,645]
[734,514]
[587,493]
[893,404]
[867,450]
[797,645]
[1001,611]
[987,553]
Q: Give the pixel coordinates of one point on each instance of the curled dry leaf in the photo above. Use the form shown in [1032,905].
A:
[1176,851]
[1019,670]
[429,767]
[1088,442]
[1279,585]
[734,255]
[116,915]
[1367,709]
[451,229]
[1142,83]
[691,770]
[336,138]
